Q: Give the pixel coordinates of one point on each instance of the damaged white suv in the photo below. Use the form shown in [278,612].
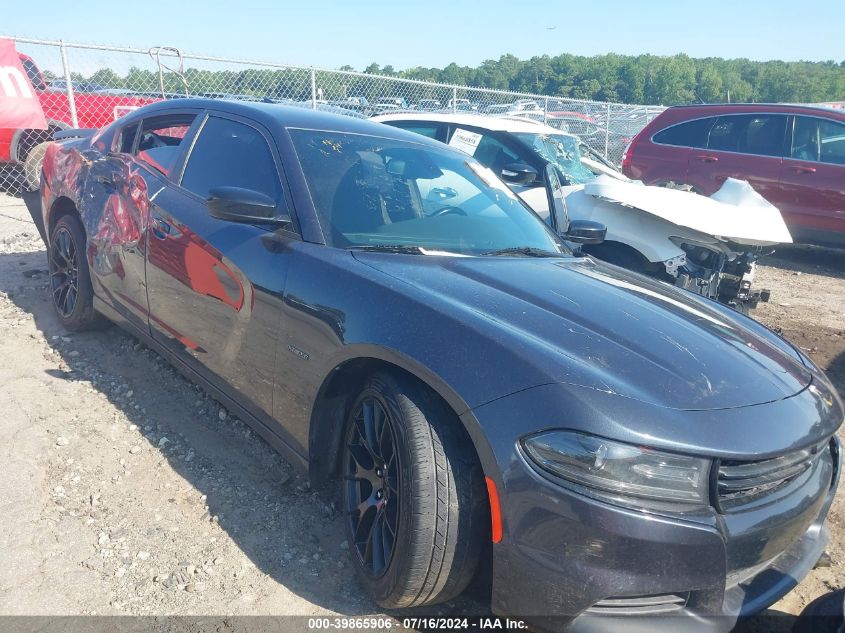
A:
[706,245]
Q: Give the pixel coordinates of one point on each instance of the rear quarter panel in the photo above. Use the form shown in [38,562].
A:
[64,169]
[653,163]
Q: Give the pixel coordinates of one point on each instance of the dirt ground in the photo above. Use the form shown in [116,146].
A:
[127,490]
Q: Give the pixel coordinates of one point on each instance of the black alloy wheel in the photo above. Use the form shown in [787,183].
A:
[372,473]
[70,279]
[64,272]
[413,493]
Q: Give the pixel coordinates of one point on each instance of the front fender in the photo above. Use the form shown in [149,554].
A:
[403,361]
[326,410]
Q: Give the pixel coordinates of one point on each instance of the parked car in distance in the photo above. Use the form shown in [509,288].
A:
[793,155]
[352,106]
[428,105]
[461,105]
[580,125]
[385,311]
[526,105]
[78,86]
[644,231]
[380,108]
[498,108]
[398,102]
[357,100]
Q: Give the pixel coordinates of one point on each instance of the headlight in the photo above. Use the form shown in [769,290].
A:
[634,475]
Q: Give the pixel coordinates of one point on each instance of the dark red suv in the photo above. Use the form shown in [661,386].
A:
[793,155]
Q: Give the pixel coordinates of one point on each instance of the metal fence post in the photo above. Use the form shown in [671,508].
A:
[546,110]
[68,85]
[313,89]
[454,100]
[607,133]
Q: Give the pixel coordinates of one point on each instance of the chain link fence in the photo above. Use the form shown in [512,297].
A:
[85,85]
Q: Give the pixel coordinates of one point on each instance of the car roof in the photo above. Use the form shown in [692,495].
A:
[493,123]
[276,116]
[768,107]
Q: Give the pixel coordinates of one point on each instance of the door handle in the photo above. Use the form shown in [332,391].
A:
[161,228]
[707,159]
[798,169]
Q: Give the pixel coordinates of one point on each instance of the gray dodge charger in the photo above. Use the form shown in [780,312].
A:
[605,450]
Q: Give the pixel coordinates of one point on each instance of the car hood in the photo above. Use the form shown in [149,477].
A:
[583,322]
[735,212]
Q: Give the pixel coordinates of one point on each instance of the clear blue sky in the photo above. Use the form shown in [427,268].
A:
[332,33]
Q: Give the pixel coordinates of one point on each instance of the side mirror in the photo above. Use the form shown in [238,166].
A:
[519,174]
[236,204]
[585,232]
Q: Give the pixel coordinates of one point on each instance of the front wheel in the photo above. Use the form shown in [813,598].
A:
[70,279]
[413,492]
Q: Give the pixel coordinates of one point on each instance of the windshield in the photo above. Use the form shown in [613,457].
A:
[560,150]
[379,192]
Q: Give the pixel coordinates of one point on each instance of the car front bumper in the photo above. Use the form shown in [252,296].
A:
[574,563]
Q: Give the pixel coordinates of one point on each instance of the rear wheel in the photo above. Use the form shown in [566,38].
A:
[32,166]
[413,493]
[28,142]
[70,280]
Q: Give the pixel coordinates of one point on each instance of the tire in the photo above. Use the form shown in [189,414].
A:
[825,614]
[70,279]
[433,495]
[32,166]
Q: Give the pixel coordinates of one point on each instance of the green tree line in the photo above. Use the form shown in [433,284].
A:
[647,79]
[639,79]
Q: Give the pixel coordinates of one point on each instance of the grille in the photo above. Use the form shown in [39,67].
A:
[740,482]
[640,605]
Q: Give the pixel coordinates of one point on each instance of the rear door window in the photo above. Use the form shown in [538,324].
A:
[759,134]
[832,142]
[229,153]
[689,134]
[160,141]
[818,140]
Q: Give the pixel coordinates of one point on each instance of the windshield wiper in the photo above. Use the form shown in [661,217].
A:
[390,248]
[527,251]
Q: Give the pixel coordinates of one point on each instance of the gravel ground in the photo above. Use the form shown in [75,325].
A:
[808,307]
[128,490]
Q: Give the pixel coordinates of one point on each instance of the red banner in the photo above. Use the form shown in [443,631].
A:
[19,105]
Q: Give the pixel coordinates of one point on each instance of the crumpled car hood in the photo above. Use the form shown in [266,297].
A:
[588,323]
[735,212]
